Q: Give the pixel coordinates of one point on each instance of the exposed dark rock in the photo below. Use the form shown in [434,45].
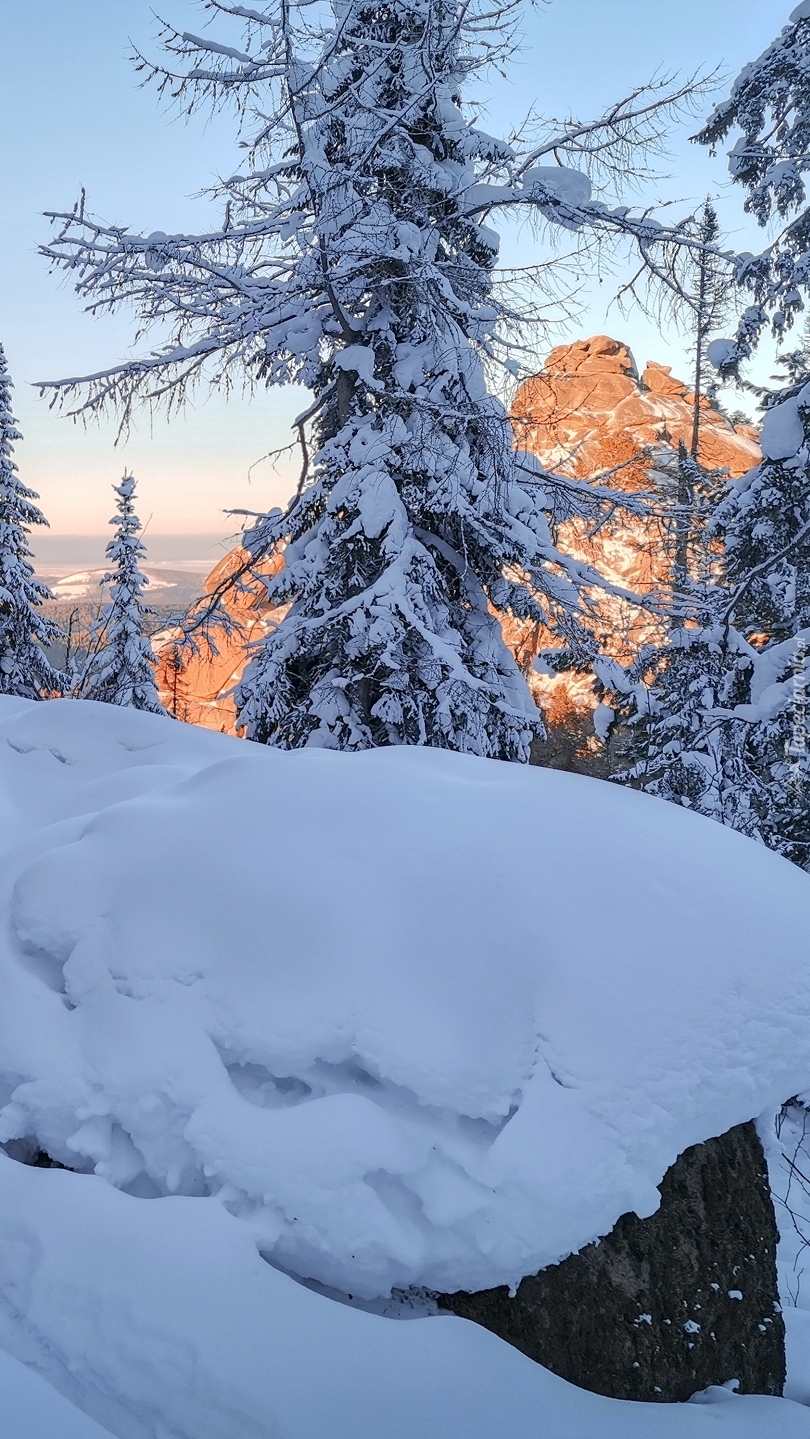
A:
[665,1306]
[27,1151]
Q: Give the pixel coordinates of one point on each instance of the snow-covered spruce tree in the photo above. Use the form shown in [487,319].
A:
[718,715]
[120,669]
[684,741]
[765,522]
[354,258]
[24,630]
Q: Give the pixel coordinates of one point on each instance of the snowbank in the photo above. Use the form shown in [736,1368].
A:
[414,1018]
[163,1323]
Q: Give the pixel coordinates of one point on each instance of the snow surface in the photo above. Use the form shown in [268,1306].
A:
[414,1017]
[162,1322]
[336,1010]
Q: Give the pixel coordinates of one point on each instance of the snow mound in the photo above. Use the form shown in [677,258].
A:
[108,1299]
[413,1018]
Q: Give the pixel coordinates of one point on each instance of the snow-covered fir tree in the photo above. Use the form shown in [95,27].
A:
[718,716]
[24,630]
[765,522]
[683,741]
[120,668]
[355,257]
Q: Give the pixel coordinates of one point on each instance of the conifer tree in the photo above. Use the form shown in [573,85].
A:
[355,257]
[718,716]
[24,631]
[765,522]
[677,704]
[121,667]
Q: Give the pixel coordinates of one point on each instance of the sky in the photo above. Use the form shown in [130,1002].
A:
[72,114]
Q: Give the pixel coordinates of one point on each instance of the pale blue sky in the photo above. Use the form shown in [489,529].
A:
[71,114]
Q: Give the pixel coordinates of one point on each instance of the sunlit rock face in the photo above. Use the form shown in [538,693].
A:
[198,687]
[589,410]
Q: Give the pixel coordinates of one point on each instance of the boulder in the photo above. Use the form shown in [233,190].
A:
[665,1306]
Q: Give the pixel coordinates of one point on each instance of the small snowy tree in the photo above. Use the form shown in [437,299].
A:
[24,630]
[354,257]
[684,742]
[121,667]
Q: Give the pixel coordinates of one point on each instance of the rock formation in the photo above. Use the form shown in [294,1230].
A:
[665,1306]
[588,410]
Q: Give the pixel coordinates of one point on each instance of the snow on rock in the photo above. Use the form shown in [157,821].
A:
[782,431]
[414,1018]
[161,1321]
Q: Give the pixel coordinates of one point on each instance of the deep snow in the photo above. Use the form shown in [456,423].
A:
[162,1321]
[417,1018]
[401,1017]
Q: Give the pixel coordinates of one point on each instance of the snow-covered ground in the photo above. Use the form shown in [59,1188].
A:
[162,1322]
[178,584]
[395,1018]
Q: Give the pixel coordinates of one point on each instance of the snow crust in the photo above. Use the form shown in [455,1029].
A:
[161,1321]
[414,1018]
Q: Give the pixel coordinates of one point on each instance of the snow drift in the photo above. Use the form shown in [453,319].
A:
[413,1018]
[162,1322]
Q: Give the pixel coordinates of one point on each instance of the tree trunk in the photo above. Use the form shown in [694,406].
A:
[662,1307]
